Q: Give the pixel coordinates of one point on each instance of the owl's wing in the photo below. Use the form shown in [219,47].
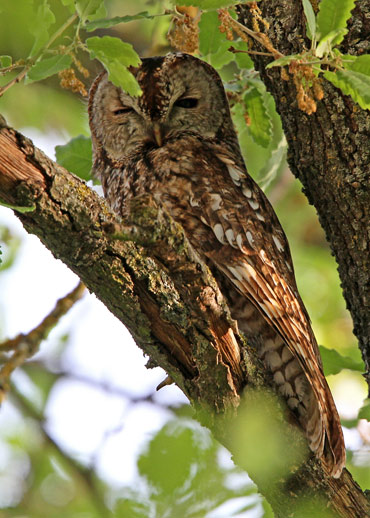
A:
[255,256]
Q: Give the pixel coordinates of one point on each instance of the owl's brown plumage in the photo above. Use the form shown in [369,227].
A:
[177,142]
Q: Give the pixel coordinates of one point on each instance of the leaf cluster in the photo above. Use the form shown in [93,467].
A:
[326,30]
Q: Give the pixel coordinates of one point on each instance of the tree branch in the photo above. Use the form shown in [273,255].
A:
[170,303]
[19,349]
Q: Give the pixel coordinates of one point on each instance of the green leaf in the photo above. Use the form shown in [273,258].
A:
[364,412]
[5,61]
[210,37]
[270,170]
[18,208]
[329,41]
[121,77]
[358,64]
[90,9]
[213,44]
[242,59]
[70,4]
[333,16]
[116,56]
[311,19]
[355,84]
[334,362]
[259,159]
[110,22]
[260,125]
[285,60]
[10,244]
[48,67]
[76,156]
[207,4]
[108,49]
[45,18]
[130,508]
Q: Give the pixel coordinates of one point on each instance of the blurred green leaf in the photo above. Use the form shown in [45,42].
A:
[127,508]
[260,435]
[76,156]
[42,378]
[166,463]
[349,423]
[44,18]
[277,159]
[257,157]
[361,473]
[242,59]
[10,247]
[17,208]
[260,123]
[48,67]
[333,16]
[5,61]
[311,19]
[364,412]
[285,60]
[267,510]
[110,22]
[334,362]
[207,4]
[328,41]
[355,84]
[90,9]
[45,107]
[180,465]
[70,4]
[357,63]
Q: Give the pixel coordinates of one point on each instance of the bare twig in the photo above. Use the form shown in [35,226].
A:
[25,346]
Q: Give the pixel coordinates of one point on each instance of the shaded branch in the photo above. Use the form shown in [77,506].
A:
[170,303]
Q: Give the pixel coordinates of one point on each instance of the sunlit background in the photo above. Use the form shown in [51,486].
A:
[84,410]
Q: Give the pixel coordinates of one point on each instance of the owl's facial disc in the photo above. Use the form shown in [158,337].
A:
[182,96]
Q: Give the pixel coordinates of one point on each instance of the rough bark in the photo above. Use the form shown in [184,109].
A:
[329,151]
[146,273]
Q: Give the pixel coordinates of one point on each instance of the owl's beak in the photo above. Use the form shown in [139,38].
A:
[157,133]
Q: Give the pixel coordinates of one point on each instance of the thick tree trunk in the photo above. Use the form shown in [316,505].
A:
[329,151]
[149,277]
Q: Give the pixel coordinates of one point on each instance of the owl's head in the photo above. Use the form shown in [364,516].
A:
[182,95]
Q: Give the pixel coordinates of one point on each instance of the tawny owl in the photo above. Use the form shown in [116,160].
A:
[177,142]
